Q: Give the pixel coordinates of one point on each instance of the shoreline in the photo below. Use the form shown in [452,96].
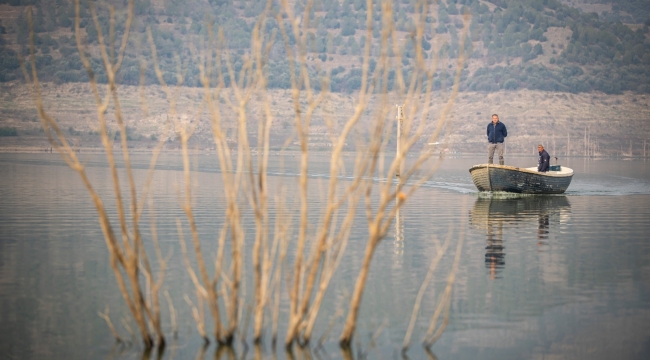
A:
[135,150]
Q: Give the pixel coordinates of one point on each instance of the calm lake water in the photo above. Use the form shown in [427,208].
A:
[543,277]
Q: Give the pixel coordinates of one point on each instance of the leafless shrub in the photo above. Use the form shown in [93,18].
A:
[244,173]
[127,254]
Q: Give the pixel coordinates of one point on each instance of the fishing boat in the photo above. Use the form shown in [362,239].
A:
[490,177]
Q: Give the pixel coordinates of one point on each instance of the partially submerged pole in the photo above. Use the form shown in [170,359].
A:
[400,119]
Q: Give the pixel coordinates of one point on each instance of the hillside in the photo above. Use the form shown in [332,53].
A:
[610,125]
[513,44]
[567,74]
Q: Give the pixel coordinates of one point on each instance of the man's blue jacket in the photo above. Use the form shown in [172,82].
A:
[543,161]
[496,133]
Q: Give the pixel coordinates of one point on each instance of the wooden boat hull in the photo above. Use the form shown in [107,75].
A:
[520,180]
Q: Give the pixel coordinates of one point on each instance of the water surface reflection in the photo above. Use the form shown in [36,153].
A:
[491,214]
[576,285]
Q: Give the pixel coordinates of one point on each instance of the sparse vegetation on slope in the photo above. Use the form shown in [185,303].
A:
[617,124]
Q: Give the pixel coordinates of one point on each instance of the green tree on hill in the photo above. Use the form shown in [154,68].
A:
[349,26]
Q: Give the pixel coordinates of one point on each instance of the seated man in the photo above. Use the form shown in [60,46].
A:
[543,159]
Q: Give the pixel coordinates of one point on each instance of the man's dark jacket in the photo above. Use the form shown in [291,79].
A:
[496,133]
[543,161]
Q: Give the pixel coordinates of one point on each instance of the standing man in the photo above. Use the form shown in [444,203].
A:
[496,133]
[543,159]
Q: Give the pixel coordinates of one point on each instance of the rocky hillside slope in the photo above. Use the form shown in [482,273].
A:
[610,125]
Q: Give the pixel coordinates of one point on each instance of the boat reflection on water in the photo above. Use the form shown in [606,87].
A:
[494,255]
[493,213]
